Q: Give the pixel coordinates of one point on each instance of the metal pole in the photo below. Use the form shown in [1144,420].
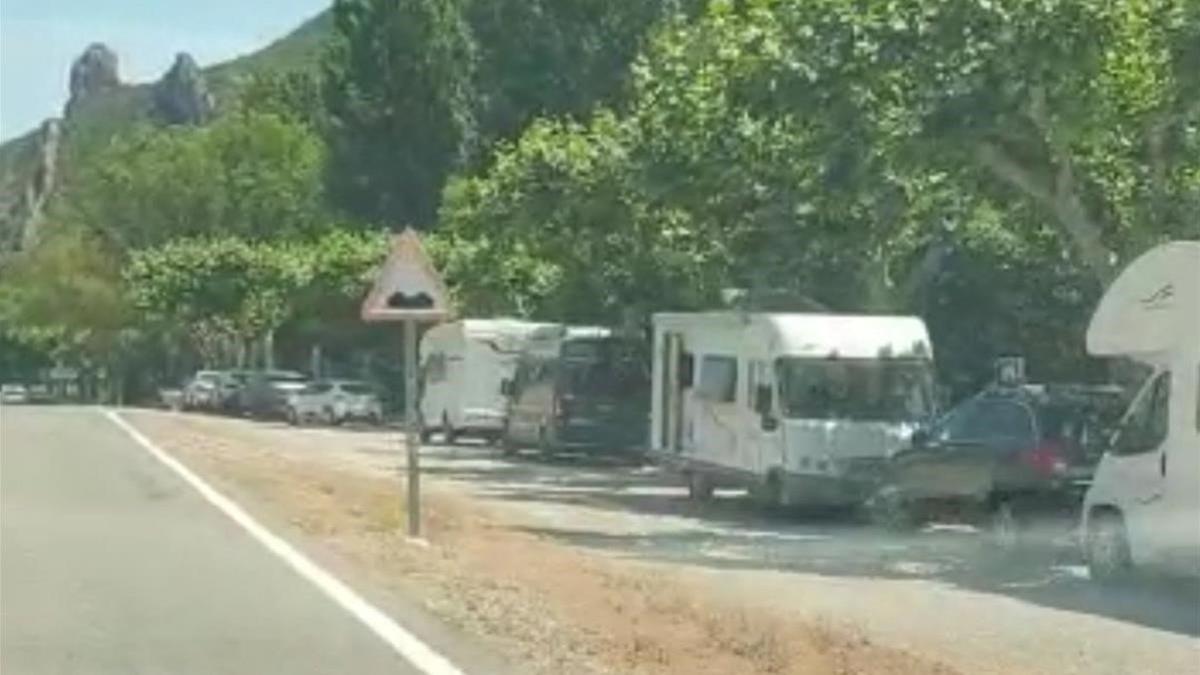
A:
[411,432]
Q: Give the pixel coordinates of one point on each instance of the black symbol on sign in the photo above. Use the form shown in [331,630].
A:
[401,300]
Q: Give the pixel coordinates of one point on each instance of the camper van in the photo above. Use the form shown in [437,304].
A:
[1143,507]
[580,388]
[463,365]
[802,409]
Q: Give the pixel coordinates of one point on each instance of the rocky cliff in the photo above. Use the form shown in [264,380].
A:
[182,95]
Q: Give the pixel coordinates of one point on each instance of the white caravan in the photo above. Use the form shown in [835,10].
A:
[800,408]
[1143,507]
[462,367]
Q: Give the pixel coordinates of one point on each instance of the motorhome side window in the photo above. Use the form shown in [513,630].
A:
[1146,427]
[867,389]
[718,379]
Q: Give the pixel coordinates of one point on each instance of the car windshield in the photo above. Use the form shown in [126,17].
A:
[1006,424]
[845,389]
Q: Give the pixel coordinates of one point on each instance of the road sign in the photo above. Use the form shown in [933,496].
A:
[409,289]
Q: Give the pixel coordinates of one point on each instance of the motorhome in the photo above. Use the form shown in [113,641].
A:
[1143,507]
[463,365]
[579,388]
[800,408]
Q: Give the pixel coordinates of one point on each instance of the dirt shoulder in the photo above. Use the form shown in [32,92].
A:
[548,607]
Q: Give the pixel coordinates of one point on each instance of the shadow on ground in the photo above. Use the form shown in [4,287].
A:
[729,533]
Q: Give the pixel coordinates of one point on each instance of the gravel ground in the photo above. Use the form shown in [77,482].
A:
[941,593]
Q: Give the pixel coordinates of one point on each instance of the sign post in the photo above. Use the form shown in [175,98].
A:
[408,290]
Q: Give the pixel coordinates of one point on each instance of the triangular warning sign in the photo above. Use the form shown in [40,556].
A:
[407,287]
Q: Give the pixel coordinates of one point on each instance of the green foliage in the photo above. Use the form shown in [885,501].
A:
[398,83]
[229,290]
[252,175]
[64,298]
[957,159]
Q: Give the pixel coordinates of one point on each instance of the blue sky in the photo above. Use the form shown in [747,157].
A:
[40,38]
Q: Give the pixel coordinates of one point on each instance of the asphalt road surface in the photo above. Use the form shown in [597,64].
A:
[110,563]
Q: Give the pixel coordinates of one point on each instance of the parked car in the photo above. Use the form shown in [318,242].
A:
[202,391]
[266,392]
[14,393]
[334,402]
[1002,457]
[231,383]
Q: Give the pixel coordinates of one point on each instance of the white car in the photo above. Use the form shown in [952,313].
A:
[203,391]
[14,393]
[334,402]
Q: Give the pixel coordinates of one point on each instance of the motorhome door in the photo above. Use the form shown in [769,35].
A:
[716,414]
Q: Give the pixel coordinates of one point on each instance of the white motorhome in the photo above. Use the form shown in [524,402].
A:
[800,408]
[1143,507]
[463,365]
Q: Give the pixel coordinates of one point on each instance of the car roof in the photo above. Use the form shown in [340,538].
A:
[1060,395]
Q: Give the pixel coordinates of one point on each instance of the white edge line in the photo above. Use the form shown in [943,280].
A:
[407,645]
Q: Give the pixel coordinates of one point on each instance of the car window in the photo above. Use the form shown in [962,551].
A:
[1000,424]
[358,389]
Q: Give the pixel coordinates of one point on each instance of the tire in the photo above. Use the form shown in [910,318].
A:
[700,486]
[449,435]
[1005,528]
[328,417]
[293,418]
[1107,549]
[889,510]
[769,493]
[544,446]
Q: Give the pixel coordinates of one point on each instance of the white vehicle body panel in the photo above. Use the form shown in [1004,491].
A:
[1151,313]
[336,403]
[462,367]
[729,436]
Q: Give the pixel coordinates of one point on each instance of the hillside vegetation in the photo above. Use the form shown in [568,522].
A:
[987,166]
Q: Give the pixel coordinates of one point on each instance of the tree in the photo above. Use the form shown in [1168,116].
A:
[398,87]
[63,300]
[253,175]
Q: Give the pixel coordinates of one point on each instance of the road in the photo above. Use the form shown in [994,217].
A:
[942,592]
[110,563]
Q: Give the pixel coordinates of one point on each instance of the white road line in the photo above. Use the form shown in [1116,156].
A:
[407,645]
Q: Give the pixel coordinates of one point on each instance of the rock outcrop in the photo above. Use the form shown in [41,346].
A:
[44,180]
[95,71]
[182,96]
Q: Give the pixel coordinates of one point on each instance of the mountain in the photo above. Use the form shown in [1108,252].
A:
[100,106]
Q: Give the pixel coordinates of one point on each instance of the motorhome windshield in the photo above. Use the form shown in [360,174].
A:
[882,390]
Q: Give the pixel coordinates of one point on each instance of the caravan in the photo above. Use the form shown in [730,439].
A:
[1143,507]
[800,408]
[463,365]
